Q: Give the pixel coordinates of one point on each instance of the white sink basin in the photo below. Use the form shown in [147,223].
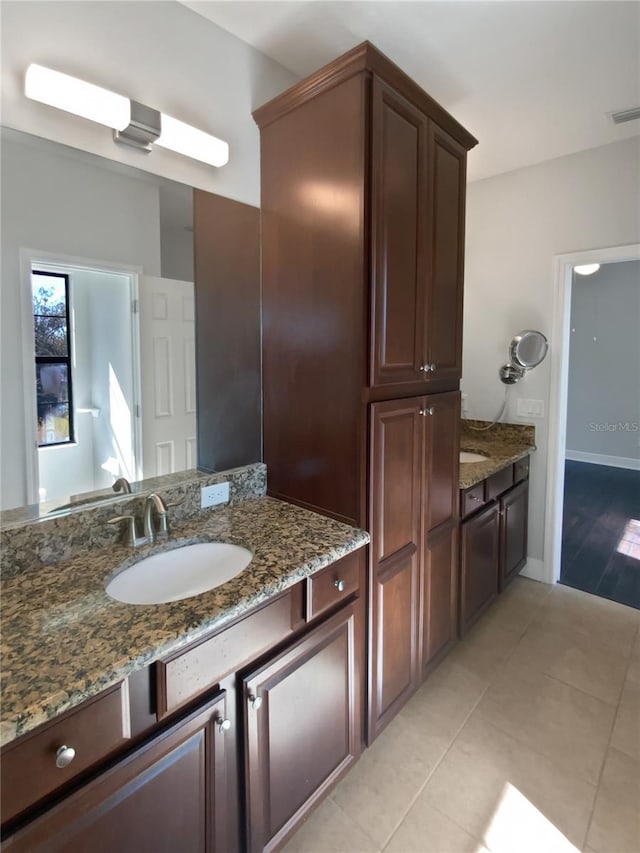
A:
[180,573]
[466,456]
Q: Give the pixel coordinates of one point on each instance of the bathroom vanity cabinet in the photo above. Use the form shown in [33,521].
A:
[414,453]
[493,537]
[240,735]
[363,194]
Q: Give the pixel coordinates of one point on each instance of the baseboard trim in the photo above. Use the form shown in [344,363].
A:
[602,459]
[535,570]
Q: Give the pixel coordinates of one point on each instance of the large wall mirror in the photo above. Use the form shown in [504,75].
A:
[98,354]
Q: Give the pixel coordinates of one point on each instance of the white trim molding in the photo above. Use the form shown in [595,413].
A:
[603,459]
[534,570]
[559,354]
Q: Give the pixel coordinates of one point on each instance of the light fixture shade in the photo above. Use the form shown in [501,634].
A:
[586,269]
[187,140]
[76,96]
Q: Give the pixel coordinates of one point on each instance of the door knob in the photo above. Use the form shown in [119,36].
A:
[64,756]
[339,585]
[256,702]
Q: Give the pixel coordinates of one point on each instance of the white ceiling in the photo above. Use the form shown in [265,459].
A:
[531,80]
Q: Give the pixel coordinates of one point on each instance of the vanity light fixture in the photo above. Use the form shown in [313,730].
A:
[133,124]
[586,269]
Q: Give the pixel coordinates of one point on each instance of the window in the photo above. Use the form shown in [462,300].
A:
[51,325]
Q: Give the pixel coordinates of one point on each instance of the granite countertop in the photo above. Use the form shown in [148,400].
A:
[64,639]
[503,444]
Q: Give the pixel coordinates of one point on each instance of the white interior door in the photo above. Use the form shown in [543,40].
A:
[168,367]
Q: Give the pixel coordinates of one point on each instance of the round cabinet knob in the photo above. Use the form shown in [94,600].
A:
[256,702]
[432,368]
[428,411]
[64,756]
[223,725]
[426,368]
[339,585]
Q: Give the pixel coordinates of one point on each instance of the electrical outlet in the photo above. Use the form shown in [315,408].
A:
[218,493]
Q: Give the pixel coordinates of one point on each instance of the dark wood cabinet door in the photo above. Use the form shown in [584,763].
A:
[514,509]
[302,728]
[447,186]
[442,458]
[395,512]
[479,554]
[439,593]
[399,233]
[168,795]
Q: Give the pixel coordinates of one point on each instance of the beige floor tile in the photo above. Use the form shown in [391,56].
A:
[445,700]
[613,625]
[615,825]
[379,790]
[568,726]
[329,830]
[518,605]
[485,649]
[633,673]
[573,657]
[626,729]
[486,770]
[427,830]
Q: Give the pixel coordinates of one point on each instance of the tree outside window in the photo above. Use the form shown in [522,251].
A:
[53,357]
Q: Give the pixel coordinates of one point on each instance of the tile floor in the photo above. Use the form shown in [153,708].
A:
[525,740]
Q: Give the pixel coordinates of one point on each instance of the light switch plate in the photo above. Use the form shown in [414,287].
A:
[218,493]
[530,408]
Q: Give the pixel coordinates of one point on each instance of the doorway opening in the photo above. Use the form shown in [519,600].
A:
[82,400]
[592,537]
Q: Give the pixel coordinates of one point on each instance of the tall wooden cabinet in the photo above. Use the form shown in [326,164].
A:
[363,191]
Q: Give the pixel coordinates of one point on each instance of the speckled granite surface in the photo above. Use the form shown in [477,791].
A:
[503,444]
[64,639]
[47,541]
[34,512]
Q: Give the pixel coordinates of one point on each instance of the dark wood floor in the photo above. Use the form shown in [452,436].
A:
[600,541]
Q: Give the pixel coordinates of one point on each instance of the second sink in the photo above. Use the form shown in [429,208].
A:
[180,573]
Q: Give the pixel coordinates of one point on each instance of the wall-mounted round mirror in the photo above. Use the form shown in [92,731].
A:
[526,350]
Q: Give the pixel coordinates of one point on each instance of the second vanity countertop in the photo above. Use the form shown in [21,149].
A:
[64,639]
[502,444]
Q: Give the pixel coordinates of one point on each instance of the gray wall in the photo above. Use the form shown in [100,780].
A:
[603,409]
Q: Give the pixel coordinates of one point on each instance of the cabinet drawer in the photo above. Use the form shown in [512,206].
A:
[333,584]
[94,729]
[191,672]
[471,499]
[498,483]
[521,469]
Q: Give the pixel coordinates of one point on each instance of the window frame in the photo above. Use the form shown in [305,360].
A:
[56,359]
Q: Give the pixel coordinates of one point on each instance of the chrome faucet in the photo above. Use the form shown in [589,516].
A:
[151,531]
[152,502]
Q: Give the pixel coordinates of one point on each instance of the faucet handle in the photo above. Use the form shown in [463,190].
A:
[133,538]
